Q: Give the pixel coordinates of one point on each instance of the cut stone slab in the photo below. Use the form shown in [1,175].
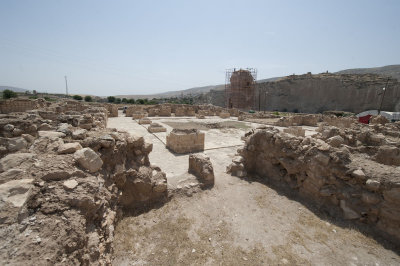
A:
[13,160]
[88,159]
[69,148]
[51,134]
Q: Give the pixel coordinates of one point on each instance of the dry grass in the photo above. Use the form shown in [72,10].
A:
[167,238]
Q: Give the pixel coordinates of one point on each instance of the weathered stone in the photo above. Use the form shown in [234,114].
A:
[51,134]
[79,134]
[88,159]
[358,174]
[335,141]
[14,160]
[185,141]
[8,127]
[45,127]
[70,184]
[201,167]
[372,185]
[348,212]
[69,148]
[16,191]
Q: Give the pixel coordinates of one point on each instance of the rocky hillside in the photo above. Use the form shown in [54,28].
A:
[390,71]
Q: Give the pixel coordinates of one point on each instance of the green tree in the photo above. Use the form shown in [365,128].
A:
[140,101]
[111,99]
[131,101]
[117,100]
[77,97]
[7,94]
[88,98]
[124,100]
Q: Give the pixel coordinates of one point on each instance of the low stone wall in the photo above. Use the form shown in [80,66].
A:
[133,109]
[185,111]
[154,128]
[297,131]
[144,121]
[138,115]
[345,183]
[20,105]
[112,110]
[185,141]
[224,115]
[160,110]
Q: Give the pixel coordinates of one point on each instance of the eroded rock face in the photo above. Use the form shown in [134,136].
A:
[201,167]
[337,177]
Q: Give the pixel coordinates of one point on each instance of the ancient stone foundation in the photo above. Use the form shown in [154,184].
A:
[20,105]
[185,141]
[297,131]
[144,121]
[224,115]
[333,170]
[154,127]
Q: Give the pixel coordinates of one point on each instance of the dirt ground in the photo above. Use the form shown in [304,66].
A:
[237,222]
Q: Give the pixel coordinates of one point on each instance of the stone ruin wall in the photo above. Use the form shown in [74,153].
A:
[167,110]
[20,105]
[73,180]
[319,93]
[325,92]
[348,172]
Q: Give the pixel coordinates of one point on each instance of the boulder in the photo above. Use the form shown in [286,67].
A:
[88,159]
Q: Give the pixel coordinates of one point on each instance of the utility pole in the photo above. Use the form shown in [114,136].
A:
[383,96]
[66,86]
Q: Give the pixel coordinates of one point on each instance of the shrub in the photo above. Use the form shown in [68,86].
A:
[7,94]
[49,99]
[111,99]
[33,97]
[131,101]
[77,97]
[276,113]
[88,98]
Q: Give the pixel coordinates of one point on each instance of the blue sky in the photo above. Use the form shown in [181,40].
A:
[143,47]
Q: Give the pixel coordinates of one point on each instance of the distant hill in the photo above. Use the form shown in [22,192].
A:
[192,91]
[390,71]
[2,88]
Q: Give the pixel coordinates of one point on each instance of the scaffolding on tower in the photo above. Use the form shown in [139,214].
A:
[240,85]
